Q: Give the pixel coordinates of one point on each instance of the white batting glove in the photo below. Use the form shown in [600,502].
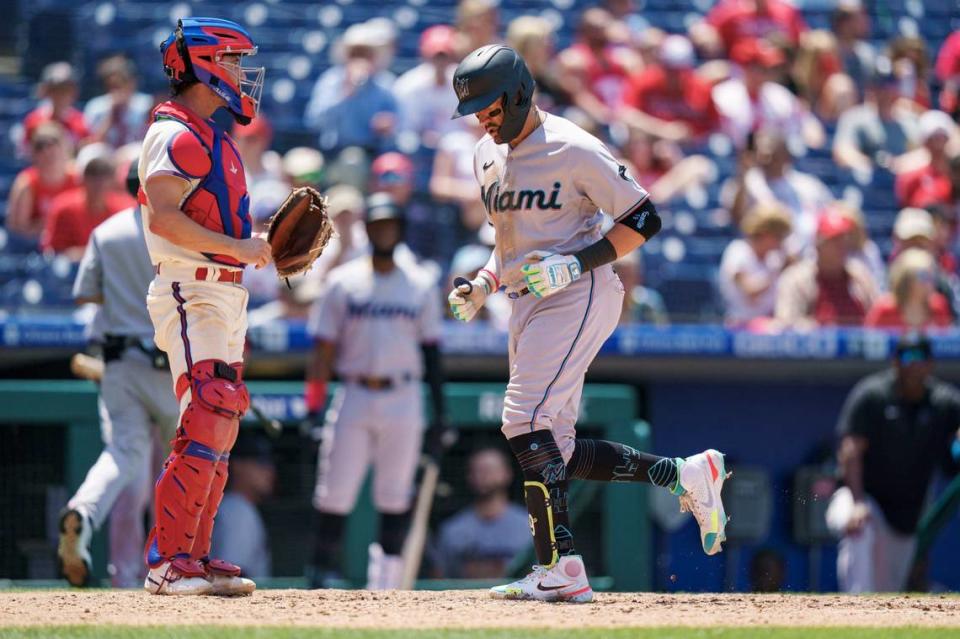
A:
[545,273]
[467,298]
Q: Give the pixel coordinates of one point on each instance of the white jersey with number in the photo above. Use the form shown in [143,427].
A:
[549,192]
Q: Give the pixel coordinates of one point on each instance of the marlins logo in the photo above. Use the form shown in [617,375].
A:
[461,87]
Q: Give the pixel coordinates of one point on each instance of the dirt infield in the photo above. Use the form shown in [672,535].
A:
[472,609]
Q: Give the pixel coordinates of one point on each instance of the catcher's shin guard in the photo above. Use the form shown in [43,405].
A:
[208,430]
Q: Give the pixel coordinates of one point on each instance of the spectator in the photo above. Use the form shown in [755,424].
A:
[120,115]
[668,100]
[352,103]
[641,304]
[945,230]
[424,99]
[896,427]
[660,166]
[914,228]
[58,92]
[265,184]
[877,131]
[773,179]
[862,248]
[75,213]
[948,72]
[303,166]
[912,302]
[738,20]
[829,289]
[34,189]
[594,70]
[750,267]
[532,38]
[929,184]
[478,24]
[241,533]
[911,66]
[851,26]
[482,540]
[818,76]
[754,101]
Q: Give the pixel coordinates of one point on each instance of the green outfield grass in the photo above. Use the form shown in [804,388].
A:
[180,632]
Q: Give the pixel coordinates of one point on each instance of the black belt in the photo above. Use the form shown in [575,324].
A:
[378,383]
[114,346]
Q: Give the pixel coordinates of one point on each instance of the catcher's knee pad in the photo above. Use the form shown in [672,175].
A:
[201,545]
[218,399]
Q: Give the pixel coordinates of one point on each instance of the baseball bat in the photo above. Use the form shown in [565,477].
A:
[462,282]
[272,427]
[86,367]
[417,536]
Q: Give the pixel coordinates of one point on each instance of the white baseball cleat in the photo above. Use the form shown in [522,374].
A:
[702,477]
[226,580]
[178,577]
[73,551]
[565,581]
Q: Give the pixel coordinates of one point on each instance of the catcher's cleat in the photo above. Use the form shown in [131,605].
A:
[565,581]
[702,477]
[181,576]
[73,551]
[226,580]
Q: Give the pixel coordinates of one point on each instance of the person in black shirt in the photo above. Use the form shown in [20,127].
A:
[896,427]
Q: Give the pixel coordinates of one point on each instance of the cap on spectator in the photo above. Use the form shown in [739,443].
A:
[437,39]
[303,164]
[392,163]
[381,32]
[913,347]
[357,35]
[913,222]
[343,197]
[933,122]
[57,74]
[259,126]
[676,52]
[756,51]
[832,224]
[849,6]
[90,152]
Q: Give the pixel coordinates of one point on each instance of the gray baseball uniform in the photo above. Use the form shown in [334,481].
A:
[377,321]
[549,193]
[133,394]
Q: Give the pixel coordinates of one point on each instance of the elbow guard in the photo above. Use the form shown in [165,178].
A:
[643,219]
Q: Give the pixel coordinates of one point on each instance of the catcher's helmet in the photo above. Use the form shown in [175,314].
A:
[194,52]
[382,206]
[492,72]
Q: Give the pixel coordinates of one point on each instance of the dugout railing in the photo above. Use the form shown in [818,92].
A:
[612,519]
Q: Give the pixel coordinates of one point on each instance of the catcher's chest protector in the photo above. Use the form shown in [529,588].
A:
[220,202]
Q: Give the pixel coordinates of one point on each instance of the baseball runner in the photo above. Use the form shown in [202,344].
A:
[197,229]
[367,326]
[545,183]
[114,273]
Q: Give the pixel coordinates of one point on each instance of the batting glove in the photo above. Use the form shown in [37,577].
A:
[545,273]
[467,299]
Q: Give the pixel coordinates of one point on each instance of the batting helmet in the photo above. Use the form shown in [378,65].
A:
[194,52]
[492,72]
[382,206]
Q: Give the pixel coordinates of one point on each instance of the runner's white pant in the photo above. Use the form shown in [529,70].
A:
[876,560]
[134,396]
[363,427]
[553,341]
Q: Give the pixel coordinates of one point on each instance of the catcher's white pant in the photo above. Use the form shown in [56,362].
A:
[878,559]
[133,397]
[364,427]
[196,320]
[553,340]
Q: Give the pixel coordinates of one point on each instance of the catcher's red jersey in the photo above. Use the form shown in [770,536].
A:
[203,154]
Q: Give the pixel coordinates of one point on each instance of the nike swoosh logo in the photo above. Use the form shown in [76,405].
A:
[540,586]
[488,165]
[708,502]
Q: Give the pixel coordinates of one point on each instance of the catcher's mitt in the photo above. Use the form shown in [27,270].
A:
[299,231]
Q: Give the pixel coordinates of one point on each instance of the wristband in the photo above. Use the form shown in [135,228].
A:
[489,279]
[597,254]
[315,395]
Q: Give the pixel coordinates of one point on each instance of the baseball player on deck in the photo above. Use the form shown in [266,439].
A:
[377,324]
[197,229]
[545,183]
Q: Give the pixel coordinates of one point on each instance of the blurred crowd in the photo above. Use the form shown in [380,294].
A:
[750,82]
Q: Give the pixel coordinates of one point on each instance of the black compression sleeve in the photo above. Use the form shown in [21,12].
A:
[433,375]
[644,220]
[597,254]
